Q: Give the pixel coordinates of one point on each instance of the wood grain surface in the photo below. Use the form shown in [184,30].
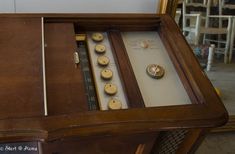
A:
[65,85]
[21,93]
[117,144]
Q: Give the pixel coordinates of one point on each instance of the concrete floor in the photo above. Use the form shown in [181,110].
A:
[218,143]
[222,77]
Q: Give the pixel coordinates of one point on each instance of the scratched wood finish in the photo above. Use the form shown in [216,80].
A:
[21,93]
[65,85]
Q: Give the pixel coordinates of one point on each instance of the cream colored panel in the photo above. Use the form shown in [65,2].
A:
[146,48]
[100,83]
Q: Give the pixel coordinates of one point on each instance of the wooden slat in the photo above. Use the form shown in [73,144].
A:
[131,86]
[213,30]
[21,93]
[65,84]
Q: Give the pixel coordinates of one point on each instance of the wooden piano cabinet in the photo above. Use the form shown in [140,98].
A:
[70,126]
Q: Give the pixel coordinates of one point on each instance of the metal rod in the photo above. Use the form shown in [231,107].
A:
[210,57]
[44,69]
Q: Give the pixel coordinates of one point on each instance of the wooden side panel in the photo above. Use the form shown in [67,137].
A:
[21,92]
[65,84]
[121,144]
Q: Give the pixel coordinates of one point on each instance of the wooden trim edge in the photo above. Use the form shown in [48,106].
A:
[230,126]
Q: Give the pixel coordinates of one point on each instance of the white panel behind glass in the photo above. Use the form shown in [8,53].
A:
[156,92]
[86,6]
[7,6]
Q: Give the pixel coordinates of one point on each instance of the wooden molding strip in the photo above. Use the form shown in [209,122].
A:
[131,86]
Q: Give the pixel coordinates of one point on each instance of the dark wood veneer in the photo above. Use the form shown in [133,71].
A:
[20,68]
[125,144]
[65,85]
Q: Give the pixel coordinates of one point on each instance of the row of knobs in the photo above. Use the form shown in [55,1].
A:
[106,74]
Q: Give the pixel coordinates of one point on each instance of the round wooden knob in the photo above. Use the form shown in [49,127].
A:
[106,74]
[114,104]
[110,89]
[97,37]
[103,60]
[100,48]
[144,44]
[155,71]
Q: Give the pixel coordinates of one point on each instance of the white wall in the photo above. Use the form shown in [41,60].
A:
[79,6]
[7,6]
